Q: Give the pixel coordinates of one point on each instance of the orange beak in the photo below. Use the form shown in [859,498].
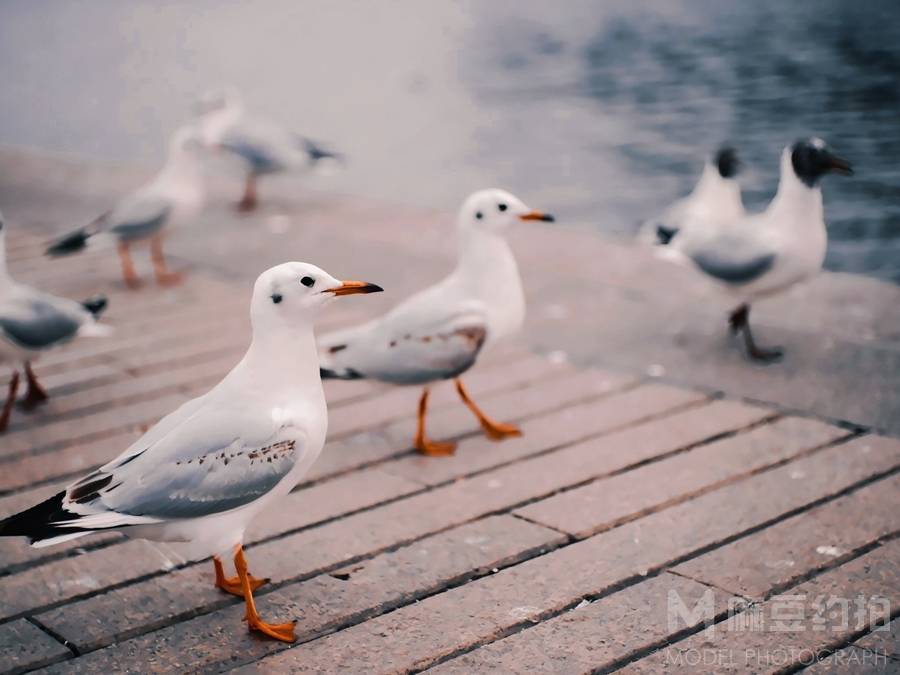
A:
[354,288]
[537,215]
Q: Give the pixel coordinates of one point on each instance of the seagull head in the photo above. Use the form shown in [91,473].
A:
[727,162]
[811,159]
[494,210]
[217,100]
[295,291]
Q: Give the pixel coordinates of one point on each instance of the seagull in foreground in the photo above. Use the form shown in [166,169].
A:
[766,253]
[203,472]
[437,333]
[173,197]
[715,199]
[31,323]
[263,147]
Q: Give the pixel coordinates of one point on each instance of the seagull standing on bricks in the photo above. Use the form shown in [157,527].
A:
[438,333]
[173,197]
[32,323]
[767,253]
[203,472]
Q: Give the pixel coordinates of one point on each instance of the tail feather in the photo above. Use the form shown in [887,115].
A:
[39,522]
[95,305]
[342,374]
[70,243]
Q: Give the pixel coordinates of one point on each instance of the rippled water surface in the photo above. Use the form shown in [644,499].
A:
[601,111]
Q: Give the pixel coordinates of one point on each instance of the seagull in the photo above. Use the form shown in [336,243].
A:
[438,333]
[206,470]
[173,197]
[31,323]
[263,147]
[766,253]
[715,199]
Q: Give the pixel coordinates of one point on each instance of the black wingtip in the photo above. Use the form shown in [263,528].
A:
[346,374]
[36,522]
[664,235]
[70,243]
[95,305]
[317,153]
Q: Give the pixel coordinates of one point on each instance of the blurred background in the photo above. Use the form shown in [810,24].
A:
[599,110]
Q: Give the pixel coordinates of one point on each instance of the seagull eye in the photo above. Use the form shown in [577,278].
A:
[309,282]
[478,215]
[502,207]
[276,298]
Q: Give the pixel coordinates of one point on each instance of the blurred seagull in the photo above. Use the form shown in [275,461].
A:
[173,197]
[31,323]
[437,333]
[715,199]
[205,471]
[263,147]
[766,253]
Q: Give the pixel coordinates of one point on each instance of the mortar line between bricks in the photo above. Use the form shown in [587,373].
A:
[272,587]
[634,579]
[709,584]
[380,428]
[214,606]
[376,463]
[549,527]
[56,636]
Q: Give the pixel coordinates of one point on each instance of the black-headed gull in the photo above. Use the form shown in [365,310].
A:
[766,253]
[173,197]
[263,147]
[205,471]
[715,199]
[437,333]
[31,323]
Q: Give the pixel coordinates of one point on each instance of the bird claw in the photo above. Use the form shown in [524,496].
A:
[277,631]
[169,279]
[436,448]
[498,431]
[233,586]
[133,283]
[769,355]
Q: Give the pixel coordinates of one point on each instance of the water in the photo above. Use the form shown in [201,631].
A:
[600,111]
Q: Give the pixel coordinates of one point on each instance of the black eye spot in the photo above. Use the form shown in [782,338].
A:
[308,282]
[478,215]
[502,207]
[276,298]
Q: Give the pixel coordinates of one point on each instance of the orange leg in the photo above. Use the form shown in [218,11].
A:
[10,399]
[128,273]
[421,443]
[249,200]
[233,584]
[164,276]
[36,394]
[279,631]
[496,431]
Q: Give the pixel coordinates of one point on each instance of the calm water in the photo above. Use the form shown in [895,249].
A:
[601,111]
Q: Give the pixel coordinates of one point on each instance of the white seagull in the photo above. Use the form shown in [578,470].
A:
[175,196]
[715,199]
[31,323]
[205,471]
[437,333]
[766,253]
[263,147]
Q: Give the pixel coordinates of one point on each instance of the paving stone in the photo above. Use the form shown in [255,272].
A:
[781,554]
[482,611]
[790,629]
[854,660]
[883,641]
[592,635]
[24,646]
[323,603]
[607,502]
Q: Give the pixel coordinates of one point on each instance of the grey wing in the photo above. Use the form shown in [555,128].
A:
[416,354]
[139,216]
[732,259]
[38,322]
[260,154]
[196,470]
